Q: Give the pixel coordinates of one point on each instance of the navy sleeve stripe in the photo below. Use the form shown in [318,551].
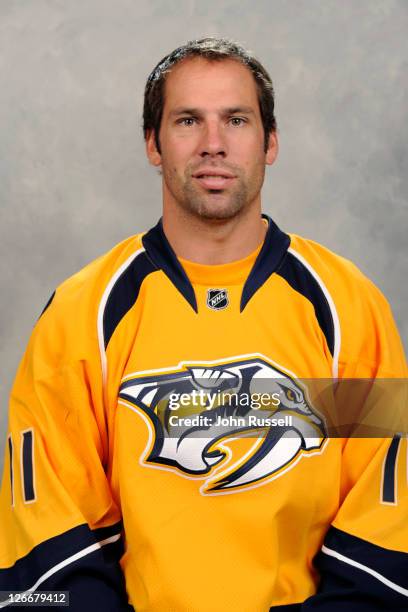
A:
[10,448]
[78,547]
[47,304]
[118,298]
[27,460]
[389,480]
[82,553]
[124,293]
[391,564]
[69,561]
[356,571]
[303,279]
[287,608]
[389,583]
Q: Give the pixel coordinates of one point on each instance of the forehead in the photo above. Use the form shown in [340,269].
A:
[197,81]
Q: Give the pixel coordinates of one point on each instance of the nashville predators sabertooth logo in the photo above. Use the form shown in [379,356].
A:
[197,412]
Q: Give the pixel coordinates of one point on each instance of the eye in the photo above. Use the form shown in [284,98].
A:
[187,121]
[290,395]
[237,121]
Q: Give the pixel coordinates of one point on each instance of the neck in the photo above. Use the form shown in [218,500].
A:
[208,241]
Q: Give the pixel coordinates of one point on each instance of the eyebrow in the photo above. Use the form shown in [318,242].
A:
[232,110]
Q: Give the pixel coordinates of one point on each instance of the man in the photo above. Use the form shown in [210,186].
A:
[130,475]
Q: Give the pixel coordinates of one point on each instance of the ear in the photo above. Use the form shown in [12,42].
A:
[273,148]
[152,153]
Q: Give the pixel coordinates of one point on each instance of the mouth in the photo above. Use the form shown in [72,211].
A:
[214,180]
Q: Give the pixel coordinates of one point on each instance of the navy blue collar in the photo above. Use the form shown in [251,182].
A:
[269,258]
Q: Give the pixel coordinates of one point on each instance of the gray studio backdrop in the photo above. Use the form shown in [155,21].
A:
[73,176]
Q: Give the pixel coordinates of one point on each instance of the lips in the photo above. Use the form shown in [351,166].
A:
[213,178]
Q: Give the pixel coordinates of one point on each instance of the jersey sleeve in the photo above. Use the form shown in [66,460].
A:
[363,562]
[60,527]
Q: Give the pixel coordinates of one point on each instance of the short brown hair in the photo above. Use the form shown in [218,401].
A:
[212,49]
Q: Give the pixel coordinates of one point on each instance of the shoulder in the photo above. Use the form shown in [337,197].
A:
[86,288]
[97,274]
[70,318]
[343,279]
[367,334]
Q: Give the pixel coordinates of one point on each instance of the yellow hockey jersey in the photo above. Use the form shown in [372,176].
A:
[137,477]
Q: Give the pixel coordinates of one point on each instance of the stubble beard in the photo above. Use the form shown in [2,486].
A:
[220,204]
[214,204]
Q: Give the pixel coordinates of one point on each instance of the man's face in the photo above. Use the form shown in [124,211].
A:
[212,139]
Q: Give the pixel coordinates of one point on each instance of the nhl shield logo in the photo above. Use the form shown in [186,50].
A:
[217,299]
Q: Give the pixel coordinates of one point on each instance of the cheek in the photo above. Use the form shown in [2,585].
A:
[248,149]
[254,165]
[173,172]
[176,163]
[179,147]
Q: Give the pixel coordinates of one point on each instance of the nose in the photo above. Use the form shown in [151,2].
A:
[213,142]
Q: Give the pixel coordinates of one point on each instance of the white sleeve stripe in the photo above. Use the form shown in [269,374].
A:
[68,561]
[368,570]
[336,322]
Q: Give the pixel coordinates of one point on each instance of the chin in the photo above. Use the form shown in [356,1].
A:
[217,215]
[216,210]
